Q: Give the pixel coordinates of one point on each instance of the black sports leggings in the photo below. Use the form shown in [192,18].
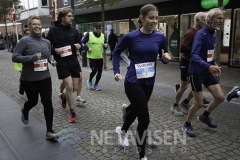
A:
[96,65]
[138,96]
[32,90]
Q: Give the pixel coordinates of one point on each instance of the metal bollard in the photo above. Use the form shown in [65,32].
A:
[84,59]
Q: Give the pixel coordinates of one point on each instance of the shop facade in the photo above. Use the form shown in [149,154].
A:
[175,18]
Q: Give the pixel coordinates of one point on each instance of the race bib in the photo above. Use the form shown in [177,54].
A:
[67,51]
[210,55]
[145,70]
[40,65]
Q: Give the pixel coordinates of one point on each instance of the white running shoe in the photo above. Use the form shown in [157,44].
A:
[79,99]
[144,158]
[122,137]
[176,110]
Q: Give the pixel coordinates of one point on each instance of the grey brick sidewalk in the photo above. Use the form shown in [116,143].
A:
[102,114]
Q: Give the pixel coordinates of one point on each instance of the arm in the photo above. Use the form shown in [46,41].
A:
[186,49]
[163,46]
[18,55]
[50,38]
[85,40]
[105,46]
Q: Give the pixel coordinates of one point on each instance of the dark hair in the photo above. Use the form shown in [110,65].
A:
[25,30]
[144,11]
[97,25]
[63,12]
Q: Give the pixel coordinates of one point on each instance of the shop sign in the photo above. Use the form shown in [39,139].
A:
[80,20]
[173,44]
[207,4]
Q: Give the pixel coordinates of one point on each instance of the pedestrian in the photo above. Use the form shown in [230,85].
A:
[202,69]
[34,53]
[18,66]
[65,42]
[112,41]
[140,77]
[96,41]
[185,49]
[234,93]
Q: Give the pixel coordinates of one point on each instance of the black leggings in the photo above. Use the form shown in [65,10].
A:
[96,65]
[32,90]
[138,96]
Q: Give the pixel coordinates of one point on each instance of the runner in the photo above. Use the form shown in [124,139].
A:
[140,77]
[34,53]
[202,70]
[96,41]
[65,41]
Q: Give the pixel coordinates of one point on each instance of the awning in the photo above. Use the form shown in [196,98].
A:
[9,24]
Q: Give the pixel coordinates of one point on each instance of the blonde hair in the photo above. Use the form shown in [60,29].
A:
[144,11]
[32,18]
[63,12]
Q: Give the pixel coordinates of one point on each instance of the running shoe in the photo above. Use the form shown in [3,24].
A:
[177,86]
[63,99]
[72,117]
[205,103]
[96,87]
[149,140]
[123,140]
[233,93]
[51,136]
[207,120]
[24,119]
[79,99]
[90,86]
[185,106]
[189,130]
[176,110]
[144,158]
[124,112]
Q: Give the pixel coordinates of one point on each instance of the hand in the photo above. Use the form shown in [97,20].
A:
[105,45]
[80,57]
[59,50]
[117,77]
[90,50]
[39,56]
[165,57]
[78,46]
[53,63]
[215,70]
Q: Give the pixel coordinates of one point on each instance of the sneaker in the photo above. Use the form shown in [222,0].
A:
[72,117]
[177,86]
[144,158]
[233,93]
[51,136]
[124,106]
[79,99]
[189,130]
[149,140]
[123,140]
[207,120]
[96,87]
[185,106]
[176,110]
[63,99]
[205,103]
[21,91]
[89,84]
[24,120]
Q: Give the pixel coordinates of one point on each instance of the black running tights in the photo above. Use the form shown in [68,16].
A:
[96,65]
[138,96]
[32,90]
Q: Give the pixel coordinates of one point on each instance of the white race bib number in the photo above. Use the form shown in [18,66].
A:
[40,65]
[67,51]
[145,70]
[210,55]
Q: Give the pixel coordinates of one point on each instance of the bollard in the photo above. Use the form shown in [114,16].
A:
[84,59]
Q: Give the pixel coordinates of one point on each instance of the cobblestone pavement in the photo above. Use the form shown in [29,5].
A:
[93,135]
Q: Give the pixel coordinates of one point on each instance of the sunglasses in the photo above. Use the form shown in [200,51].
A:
[98,28]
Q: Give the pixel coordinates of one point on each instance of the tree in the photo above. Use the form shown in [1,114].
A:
[5,9]
[96,4]
[218,42]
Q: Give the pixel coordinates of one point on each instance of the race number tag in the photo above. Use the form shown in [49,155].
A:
[67,51]
[145,70]
[40,65]
[210,55]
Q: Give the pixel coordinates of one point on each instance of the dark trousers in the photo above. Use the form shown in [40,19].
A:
[111,49]
[32,90]
[96,65]
[138,96]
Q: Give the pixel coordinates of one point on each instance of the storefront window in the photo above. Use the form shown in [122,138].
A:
[169,26]
[235,56]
